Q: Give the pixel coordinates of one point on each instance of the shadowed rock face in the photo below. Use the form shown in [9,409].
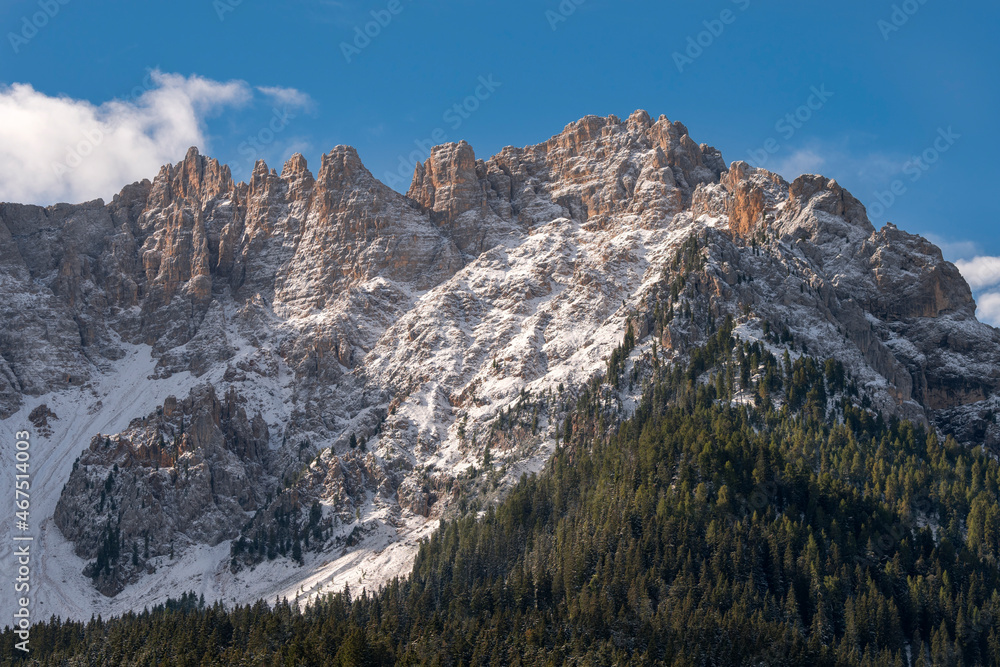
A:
[331,306]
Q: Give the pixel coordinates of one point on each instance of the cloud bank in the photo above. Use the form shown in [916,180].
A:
[983,275]
[60,149]
[989,308]
[980,272]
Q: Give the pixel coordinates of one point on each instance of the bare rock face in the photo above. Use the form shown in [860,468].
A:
[40,418]
[449,186]
[49,272]
[753,195]
[406,356]
[826,219]
[357,229]
[275,211]
[184,475]
[187,204]
[924,299]
[913,280]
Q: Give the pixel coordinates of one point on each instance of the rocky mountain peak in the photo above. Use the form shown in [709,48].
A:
[450,184]
[824,194]
[342,168]
[296,169]
[595,168]
[196,178]
[826,215]
[914,278]
[447,183]
[639,120]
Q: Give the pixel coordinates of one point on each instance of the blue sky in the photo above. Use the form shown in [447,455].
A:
[897,81]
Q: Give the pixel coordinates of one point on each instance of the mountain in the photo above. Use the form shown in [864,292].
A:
[278,387]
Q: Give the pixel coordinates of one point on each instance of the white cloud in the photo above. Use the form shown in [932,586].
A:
[989,308]
[843,158]
[983,276]
[875,167]
[55,149]
[805,161]
[981,272]
[288,97]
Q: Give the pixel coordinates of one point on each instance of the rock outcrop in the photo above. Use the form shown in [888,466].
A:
[187,474]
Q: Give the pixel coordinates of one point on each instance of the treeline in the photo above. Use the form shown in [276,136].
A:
[791,527]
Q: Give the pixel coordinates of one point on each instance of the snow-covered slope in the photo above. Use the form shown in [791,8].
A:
[278,387]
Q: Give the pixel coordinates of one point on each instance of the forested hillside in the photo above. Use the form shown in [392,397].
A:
[753,511]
